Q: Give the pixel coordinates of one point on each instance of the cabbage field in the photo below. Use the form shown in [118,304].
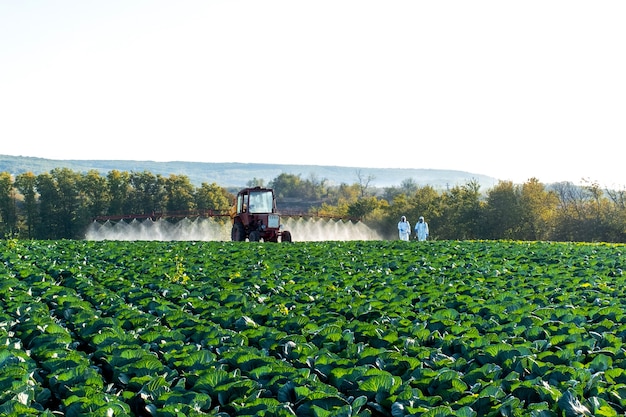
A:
[377,328]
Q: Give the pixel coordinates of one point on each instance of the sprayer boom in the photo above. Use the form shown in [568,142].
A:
[164,215]
[254,216]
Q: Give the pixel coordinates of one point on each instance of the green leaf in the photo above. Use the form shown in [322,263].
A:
[210,379]
[14,408]
[195,400]
[358,403]
[571,406]
[601,363]
[440,411]
[323,407]
[615,375]
[245,322]
[263,407]
[380,383]
[236,390]
[465,412]
[156,387]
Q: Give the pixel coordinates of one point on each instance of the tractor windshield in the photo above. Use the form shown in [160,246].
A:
[261,202]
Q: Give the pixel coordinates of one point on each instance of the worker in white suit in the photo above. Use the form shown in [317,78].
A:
[421,229]
[404,228]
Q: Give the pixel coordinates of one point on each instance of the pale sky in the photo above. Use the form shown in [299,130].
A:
[514,90]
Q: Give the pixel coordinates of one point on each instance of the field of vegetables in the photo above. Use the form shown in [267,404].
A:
[379,328]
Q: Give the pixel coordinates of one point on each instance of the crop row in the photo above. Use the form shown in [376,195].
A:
[312,329]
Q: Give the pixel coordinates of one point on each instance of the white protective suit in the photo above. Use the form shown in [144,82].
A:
[421,229]
[404,229]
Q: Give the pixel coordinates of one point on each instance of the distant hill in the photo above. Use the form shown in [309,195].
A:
[237,175]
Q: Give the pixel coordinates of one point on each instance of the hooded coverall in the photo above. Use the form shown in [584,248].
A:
[421,229]
[404,229]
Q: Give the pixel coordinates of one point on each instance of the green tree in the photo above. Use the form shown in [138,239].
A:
[407,187]
[213,197]
[462,212]
[399,206]
[503,212]
[422,201]
[363,207]
[571,221]
[293,186]
[180,193]
[147,193]
[94,194]
[347,194]
[255,182]
[600,214]
[68,186]
[314,188]
[539,208]
[49,222]
[426,201]
[287,186]
[26,184]
[616,217]
[8,212]
[328,210]
[119,190]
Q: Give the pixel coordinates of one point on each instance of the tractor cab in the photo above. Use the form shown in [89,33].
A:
[255,217]
[256,202]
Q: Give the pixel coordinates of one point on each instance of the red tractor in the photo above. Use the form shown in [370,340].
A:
[255,217]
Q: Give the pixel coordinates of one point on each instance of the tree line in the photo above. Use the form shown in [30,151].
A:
[61,203]
[529,211]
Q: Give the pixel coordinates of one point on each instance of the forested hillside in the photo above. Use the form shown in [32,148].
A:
[62,203]
[238,174]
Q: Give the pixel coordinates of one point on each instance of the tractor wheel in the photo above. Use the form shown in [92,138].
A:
[238,233]
[255,236]
[286,237]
